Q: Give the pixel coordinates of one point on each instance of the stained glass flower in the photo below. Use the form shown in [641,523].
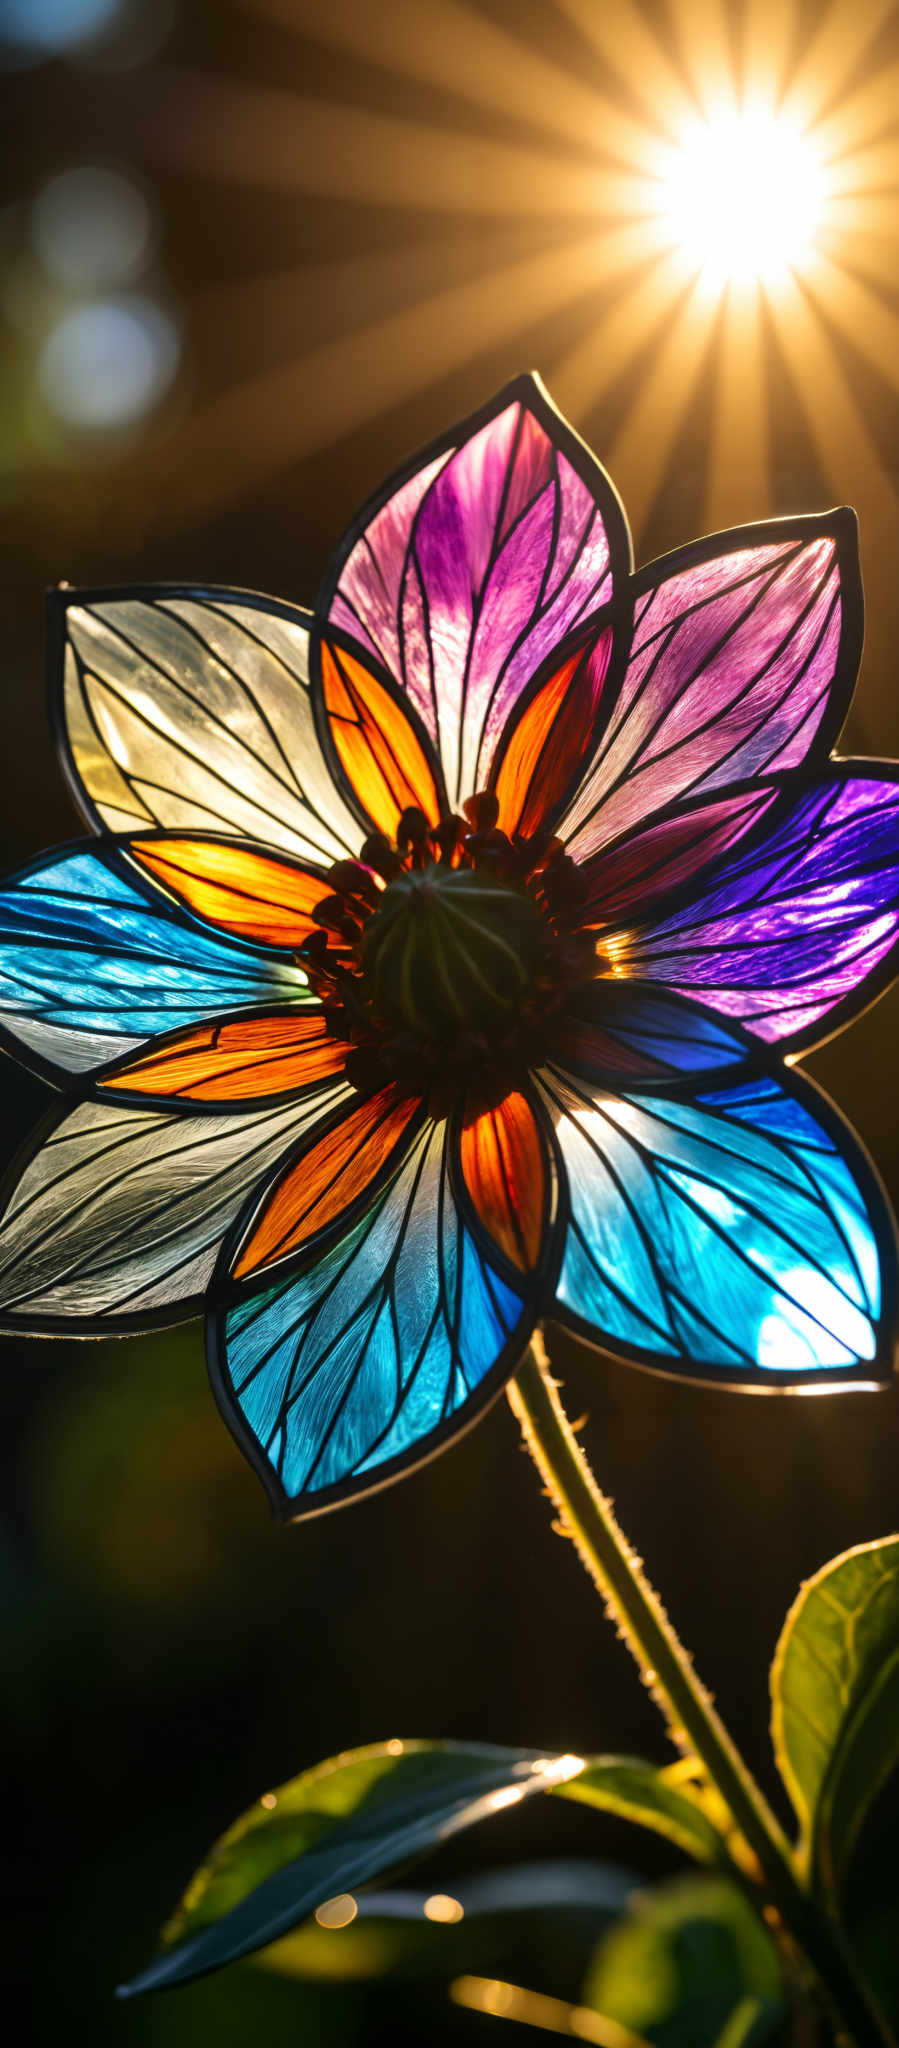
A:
[435,962]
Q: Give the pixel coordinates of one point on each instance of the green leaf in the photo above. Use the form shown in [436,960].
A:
[835,1701]
[640,1792]
[691,1963]
[331,1829]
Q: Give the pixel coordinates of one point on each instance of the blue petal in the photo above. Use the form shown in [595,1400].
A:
[739,1234]
[628,1034]
[364,1362]
[91,964]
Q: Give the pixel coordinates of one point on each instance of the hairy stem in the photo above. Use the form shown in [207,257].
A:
[693,1720]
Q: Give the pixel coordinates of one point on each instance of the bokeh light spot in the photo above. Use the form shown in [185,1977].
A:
[47,25]
[106,35]
[337,1912]
[107,363]
[91,227]
[443,1909]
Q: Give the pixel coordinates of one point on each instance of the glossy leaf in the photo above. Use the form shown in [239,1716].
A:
[835,1695]
[191,709]
[640,1792]
[692,1963]
[334,1828]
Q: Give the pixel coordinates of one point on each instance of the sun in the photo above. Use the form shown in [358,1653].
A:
[742,196]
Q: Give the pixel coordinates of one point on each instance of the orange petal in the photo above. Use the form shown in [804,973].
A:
[378,747]
[253,895]
[236,1060]
[553,739]
[502,1163]
[321,1184]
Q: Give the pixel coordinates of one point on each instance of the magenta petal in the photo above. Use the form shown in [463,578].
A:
[472,567]
[797,934]
[626,879]
[745,649]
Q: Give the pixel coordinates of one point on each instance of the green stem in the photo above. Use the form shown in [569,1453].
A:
[587,1516]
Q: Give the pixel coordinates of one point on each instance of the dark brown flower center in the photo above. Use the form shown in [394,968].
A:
[446,959]
[450,950]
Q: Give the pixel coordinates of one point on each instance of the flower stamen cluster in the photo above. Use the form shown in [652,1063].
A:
[445,958]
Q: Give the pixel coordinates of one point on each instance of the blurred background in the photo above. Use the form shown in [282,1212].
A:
[254,252]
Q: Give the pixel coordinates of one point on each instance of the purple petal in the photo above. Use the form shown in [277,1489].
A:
[798,930]
[475,565]
[742,660]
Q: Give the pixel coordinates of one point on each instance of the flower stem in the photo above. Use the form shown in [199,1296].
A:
[665,1666]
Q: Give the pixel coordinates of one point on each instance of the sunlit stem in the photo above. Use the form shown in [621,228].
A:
[588,1518]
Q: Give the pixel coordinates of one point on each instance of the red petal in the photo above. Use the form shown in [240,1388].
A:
[501,1156]
[553,739]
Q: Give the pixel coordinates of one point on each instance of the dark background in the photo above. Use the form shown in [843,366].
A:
[170,1652]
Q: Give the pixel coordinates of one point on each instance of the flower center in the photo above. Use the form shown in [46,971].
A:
[450,950]
[446,959]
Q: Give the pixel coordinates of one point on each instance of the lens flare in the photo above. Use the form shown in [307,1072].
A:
[742,197]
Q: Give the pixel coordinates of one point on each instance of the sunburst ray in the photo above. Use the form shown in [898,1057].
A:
[268,137]
[589,368]
[267,423]
[862,315]
[849,458]
[836,46]
[627,44]
[640,452]
[706,51]
[738,481]
[767,36]
[569,163]
[444,44]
